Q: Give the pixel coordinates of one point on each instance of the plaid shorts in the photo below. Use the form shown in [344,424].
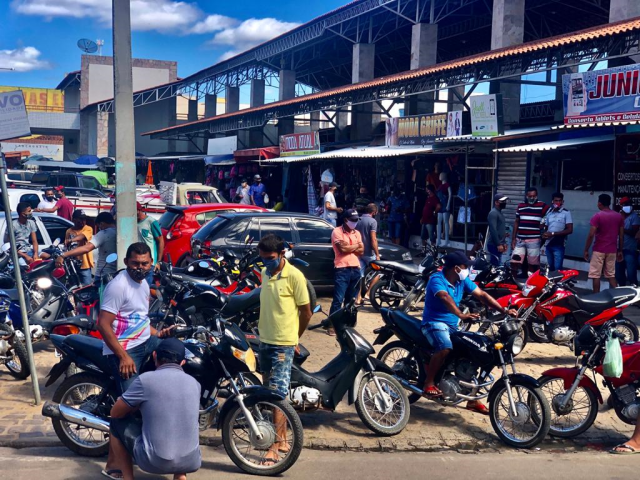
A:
[275,364]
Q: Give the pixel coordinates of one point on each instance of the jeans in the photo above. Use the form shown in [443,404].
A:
[395,229]
[275,363]
[428,233]
[627,270]
[332,221]
[443,222]
[555,257]
[85,276]
[364,263]
[346,281]
[138,354]
[496,256]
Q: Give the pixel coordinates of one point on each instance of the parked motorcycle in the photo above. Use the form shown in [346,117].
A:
[518,409]
[13,353]
[395,281]
[429,265]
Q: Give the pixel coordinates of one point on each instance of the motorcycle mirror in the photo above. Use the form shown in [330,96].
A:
[56,242]
[317,308]
[111,258]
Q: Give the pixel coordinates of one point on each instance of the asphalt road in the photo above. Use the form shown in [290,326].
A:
[57,464]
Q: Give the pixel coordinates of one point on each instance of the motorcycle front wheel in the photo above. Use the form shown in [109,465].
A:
[384,412]
[628,329]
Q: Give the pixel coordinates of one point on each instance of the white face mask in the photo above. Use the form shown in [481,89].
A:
[627,209]
[351,225]
[463,274]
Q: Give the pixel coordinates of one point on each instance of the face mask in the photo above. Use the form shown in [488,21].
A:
[557,205]
[137,274]
[463,274]
[503,206]
[351,225]
[50,198]
[271,265]
[531,201]
[29,216]
[627,209]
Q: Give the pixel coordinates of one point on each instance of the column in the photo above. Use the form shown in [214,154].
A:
[231,99]
[363,117]
[102,136]
[256,99]
[210,105]
[286,90]
[508,29]
[623,10]
[314,121]
[192,116]
[424,49]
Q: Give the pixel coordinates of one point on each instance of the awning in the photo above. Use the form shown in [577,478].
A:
[569,142]
[358,152]
[597,124]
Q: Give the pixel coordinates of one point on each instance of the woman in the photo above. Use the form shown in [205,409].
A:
[445,198]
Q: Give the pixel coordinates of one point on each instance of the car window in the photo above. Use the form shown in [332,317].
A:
[168,218]
[233,234]
[220,198]
[196,198]
[279,226]
[253,232]
[56,227]
[89,182]
[14,176]
[32,198]
[203,218]
[313,231]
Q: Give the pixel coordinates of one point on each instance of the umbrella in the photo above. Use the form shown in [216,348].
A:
[149,179]
[87,160]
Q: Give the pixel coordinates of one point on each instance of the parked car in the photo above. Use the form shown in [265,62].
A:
[180,223]
[310,235]
[66,179]
[50,227]
[17,195]
[19,177]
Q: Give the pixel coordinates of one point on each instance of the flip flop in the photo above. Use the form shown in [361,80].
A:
[109,474]
[478,408]
[632,451]
[331,332]
[432,392]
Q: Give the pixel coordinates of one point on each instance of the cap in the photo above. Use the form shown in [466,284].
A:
[139,206]
[352,215]
[59,188]
[244,180]
[333,184]
[456,258]
[498,197]
[173,348]
[257,177]
[624,200]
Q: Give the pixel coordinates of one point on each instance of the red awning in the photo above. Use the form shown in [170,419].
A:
[256,153]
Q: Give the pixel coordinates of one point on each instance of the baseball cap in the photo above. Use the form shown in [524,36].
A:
[257,177]
[59,188]
[333,184]
[456,258]
[625,200]
[498,197]
[172,348]
[352,215]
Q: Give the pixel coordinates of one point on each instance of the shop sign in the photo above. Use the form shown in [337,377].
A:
[609,95]
[14,122]
[299,144]
[627,169]
[40,99]
[415,129]
[486,115]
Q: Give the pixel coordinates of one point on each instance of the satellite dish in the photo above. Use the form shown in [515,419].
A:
[87,46]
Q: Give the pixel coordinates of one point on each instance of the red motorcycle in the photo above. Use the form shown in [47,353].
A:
[554,312]
[573,396]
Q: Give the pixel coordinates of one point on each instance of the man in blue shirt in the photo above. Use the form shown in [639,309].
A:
[257,191]
[441,315]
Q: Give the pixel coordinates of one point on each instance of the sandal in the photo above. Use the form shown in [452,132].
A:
[478,408]
[110,474]
[629,448]
[432,392]
[331,332]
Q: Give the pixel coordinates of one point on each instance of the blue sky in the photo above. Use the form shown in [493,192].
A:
[39,37]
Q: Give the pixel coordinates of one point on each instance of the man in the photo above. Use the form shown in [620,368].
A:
[284,315]
[243,193]
[149,232]
[331,209]
[362,200]
[627,270]
[368,227]
[559,225]
[496,243]
[106,243]
[347,247]
[429,217]
[527,239]
[63,206]
[442,314]
[80,234]
[632,445]
[49,200]
[24,230]
[607,227]
[257,191]
[166,440]
[398,205]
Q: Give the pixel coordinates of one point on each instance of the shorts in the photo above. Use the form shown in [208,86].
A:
[438,335]
[395,228]
[127,430]
[275,364]
[364,263]
[530,248]
[602,263]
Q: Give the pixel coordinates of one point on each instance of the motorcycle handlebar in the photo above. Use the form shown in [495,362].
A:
[323,324]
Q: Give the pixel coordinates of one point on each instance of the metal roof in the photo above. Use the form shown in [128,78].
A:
[357,152]
[554,145]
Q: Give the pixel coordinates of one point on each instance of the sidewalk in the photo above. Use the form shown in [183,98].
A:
[431,427]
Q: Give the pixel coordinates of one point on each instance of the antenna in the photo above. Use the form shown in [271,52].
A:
[87,46]
[100,43]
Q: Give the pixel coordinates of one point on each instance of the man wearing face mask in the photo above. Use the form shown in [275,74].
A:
[527,239]
[24,230]
[496,243]
[49,200]
[442,314]
[627,270]
[559,226]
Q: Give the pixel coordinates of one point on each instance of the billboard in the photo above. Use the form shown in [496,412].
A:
[610,95]
[486,115]
[299,144]
[14,122]
[627,169]
[415,129]
[40,99]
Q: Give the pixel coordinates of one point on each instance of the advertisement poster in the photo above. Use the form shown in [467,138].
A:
[486,115]
[609,95]
[14,122]
[40,99]
[415,129]
[298,144]
[454,123]
[627,169]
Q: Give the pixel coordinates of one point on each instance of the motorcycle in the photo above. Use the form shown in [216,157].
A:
[13,353]
[518,409]
[430,264]
[574,397]
[395,281]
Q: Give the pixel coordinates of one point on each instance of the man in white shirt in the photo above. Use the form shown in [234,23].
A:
[243,193]
[49,200]
[331,209]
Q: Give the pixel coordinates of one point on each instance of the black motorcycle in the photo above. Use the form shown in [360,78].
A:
[395,281]
[429,265]
[518,409]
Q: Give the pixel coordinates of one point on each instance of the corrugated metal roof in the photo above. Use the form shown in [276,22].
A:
[566,143]
[357,152]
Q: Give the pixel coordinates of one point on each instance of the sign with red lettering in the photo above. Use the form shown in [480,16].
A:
[298,144]
[610,95]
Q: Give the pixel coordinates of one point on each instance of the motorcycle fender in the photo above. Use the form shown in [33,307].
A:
[253,394]
[569,375]
[353,391]
[518,378]
[57,370]
[384,334]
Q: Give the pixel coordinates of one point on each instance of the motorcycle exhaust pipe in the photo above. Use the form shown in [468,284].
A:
[75,416]
[389,293]
[408,386]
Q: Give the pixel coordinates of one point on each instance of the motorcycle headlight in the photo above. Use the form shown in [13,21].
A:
[527,289]
[517,345]
[44,283]
[248,357]
[406,256]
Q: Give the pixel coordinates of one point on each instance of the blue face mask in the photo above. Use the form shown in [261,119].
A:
[271,265]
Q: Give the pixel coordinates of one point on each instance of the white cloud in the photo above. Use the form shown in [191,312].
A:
[214,23]
[23,59]
[250,33]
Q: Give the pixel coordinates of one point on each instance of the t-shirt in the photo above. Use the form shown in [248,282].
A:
[129,302]
[557,221]
[365,226]
[630,242]
[169,402]
[47,204]
[497,227]
[106,243]
[256,192]
[361,203]
[530,216]
[148,230]
[607,223]
[23,233]
[429,210]
[65,208]
[398,205]
[329,197]
[87,231]
[434,309]
[246,198]
[343,260]
[280,297]
[433,178]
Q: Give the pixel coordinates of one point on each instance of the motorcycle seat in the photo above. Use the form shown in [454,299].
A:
[610,298]
[89,348]
[183,277]
[239,303]
[410,268]
[410,326]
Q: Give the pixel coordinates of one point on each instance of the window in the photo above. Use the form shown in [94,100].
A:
[234,233]
[313,231]
[56,227]
[89,182]
[253,232]
[196,198]
[168,218]
[278,226]
[32,198]
[203,218]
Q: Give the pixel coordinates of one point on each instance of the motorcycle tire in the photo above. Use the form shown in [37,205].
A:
[79,379]
[629,329]
[21,355]
[280,467]
[533,334]
[418,374]
[395,393]
[313,297]
[590,418]
[379,300]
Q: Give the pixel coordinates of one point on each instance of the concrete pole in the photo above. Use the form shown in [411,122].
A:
[127,223]
[231,99]
[623,10]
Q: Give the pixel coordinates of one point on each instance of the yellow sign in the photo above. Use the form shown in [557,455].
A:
[40,99]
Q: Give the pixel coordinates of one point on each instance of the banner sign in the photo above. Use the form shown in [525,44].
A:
[486,115]
[609,95]
[454,124]
[14,122]
[299,144]
[627,169]
[40,99]
[415,129]
[222,146]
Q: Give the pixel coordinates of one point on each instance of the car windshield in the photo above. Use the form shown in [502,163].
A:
[209,228]
[168,218]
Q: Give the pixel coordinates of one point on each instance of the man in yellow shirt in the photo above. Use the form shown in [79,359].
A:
[80,234]
[284,315]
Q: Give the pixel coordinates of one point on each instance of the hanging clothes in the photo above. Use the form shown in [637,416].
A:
[311,193]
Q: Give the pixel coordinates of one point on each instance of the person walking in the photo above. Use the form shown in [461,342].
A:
[80,234]
[166,440]
[528,232]
[627,270]
[257,192]
[243,194]
[149,232]
[331,209]
[398,206]
[285,312]
[607,227]
[24,231]
[496,243]
[368,228]
[558,225]
[430,216]
[63,206]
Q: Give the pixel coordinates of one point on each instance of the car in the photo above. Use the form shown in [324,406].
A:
[179,223]
[50,227]
[310,235]
[66,179]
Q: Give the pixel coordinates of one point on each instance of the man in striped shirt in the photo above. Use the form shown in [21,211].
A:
[526,241]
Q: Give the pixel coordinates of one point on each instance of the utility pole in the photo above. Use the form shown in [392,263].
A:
[125,132]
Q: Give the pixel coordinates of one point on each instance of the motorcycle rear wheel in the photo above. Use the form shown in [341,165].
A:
[629,330]
[397,351]
[380,300]
[18,366]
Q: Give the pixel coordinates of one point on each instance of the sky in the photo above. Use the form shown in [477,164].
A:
[38,37]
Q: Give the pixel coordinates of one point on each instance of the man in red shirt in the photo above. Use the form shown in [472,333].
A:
[430,216]
[63,206]
[607,227]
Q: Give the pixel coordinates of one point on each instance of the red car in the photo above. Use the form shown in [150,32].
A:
[179,223]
